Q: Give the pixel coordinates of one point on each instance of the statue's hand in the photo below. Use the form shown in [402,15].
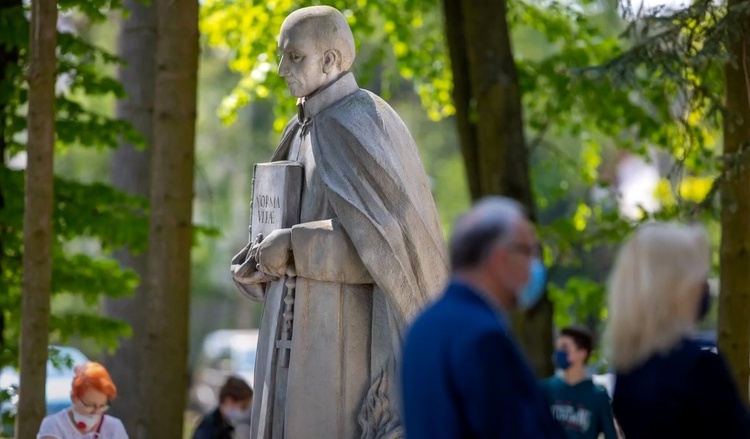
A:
[244,265]
[275,252]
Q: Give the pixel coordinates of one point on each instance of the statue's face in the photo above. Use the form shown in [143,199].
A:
[301,61]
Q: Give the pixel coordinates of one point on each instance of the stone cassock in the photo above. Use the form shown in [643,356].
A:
[368,252]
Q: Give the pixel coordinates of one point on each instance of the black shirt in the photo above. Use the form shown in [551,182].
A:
[213,426]
[686,393]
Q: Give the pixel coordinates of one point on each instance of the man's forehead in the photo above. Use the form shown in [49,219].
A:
[296,31]
[296,38]
[285,39]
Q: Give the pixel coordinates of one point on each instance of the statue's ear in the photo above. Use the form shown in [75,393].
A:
[331,61]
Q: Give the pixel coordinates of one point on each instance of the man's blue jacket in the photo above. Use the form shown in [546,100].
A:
[463,376]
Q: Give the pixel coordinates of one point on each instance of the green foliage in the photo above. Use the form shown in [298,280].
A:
[96,213]
[95,10]
[578,297]
[65,327]
[594,86]
[406,42]
[79,274]
[653,90]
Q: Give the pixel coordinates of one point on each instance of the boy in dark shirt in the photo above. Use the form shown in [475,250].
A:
[235,398]
[581,407]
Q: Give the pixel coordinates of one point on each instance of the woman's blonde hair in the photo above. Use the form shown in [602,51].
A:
[653,291]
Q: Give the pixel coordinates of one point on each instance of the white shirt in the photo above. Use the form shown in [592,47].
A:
[60,426]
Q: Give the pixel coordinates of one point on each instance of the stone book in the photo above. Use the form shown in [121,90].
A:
[277,189]
[277,192]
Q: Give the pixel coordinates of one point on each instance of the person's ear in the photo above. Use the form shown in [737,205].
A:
[331,61]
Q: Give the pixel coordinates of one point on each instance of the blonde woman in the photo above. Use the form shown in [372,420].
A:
[666,385]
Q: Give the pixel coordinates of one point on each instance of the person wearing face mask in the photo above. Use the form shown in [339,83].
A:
[462,373]
[235,398]
[666,385]
[581,407]
[92,390]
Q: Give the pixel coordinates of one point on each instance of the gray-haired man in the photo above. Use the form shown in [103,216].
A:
[462,373]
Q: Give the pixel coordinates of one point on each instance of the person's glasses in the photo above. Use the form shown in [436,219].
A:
[95,407]
[523,249]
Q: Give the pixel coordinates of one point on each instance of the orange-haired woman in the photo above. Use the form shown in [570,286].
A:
[85,419]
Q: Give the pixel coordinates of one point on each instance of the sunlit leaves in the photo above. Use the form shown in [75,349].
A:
[247,30]
[663,193]
[695,189]
[583,213]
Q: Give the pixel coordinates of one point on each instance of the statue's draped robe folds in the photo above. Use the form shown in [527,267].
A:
[368,254]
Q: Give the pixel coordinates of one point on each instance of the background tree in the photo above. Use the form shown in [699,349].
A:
[682,62]
[130,172]
[86,214]
[734,306]
[170,230]
[489,118]
[37,259]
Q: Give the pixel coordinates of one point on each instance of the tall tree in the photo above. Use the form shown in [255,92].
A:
[489,116]
[130,172]
[734,300]
[37,220]
[172,162]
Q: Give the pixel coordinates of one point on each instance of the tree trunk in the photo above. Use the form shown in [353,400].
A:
[130,172]
[37,218]
[489,116]
[172,160]
[734,298]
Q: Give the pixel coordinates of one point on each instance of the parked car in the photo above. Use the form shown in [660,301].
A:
[223,353]
[60,372]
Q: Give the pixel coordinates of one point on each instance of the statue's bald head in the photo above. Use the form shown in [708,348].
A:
[328,27]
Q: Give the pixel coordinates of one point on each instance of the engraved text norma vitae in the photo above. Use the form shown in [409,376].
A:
[267,208]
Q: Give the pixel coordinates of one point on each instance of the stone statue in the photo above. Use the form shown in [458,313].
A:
[366,255]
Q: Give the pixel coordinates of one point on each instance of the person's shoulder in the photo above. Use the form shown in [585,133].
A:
[56,418]
[456,329]
[358,109]
[51,426]
[707,362]
[456,312]
[549,384]
[205,426]
[599,390]
[691,355]
[360,99]
[552,381]
[115,427]
[688,348]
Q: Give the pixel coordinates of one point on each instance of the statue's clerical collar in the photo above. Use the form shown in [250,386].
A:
[327,96]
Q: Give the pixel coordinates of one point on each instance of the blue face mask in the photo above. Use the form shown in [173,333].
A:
[534,288]
[560,358]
